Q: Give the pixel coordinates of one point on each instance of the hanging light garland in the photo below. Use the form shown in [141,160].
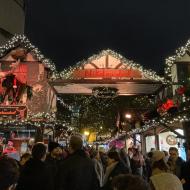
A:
[22,40]
[168,120]
[172,59]
[67,73]
[63,103]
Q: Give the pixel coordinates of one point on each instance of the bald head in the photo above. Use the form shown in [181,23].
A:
[76,143]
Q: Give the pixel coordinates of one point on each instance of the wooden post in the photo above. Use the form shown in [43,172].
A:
[186,127]
[156,139]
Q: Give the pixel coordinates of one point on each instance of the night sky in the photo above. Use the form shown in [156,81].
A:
[146,31]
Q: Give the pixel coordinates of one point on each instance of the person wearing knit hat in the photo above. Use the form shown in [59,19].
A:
[157,155]
[161,179]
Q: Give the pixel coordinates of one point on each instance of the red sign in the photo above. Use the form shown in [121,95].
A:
[12,112]
[107,73]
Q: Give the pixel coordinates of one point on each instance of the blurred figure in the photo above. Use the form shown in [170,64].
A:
[161,179]
[77,172]
[166,156]
[129,182]
[125,158]
[11,151]
[137,162]
[35,174]
[185,173]
[1,150]
[103,157]
[175,162]
[114,168]
[148,165]
[130,153]
[24,158]
[53,159]
[9,173]
[95,156]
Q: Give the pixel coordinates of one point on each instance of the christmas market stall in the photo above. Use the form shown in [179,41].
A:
[25,93]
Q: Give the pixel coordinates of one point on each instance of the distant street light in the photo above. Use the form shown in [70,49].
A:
[86,133]
[128,116]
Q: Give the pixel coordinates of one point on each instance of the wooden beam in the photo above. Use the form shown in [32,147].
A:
[172,130]
[107,62]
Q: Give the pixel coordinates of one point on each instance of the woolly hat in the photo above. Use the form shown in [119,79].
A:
[157,155]
[52,145]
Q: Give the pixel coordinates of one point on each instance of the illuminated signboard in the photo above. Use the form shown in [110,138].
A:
[107,73]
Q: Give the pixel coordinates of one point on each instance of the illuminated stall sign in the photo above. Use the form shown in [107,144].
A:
[107,73]
[13,112]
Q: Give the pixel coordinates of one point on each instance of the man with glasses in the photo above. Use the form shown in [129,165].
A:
[175,162]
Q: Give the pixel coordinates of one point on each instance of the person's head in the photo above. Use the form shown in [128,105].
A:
[94,154]
[113,156]
[55,150]
[129,182]
[24,158]
[173,151]
[150,154]
[39,151]
[75,144]
[158,161]
[135,151]
[9,173]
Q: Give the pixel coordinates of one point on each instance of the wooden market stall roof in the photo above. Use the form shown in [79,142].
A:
[108,69]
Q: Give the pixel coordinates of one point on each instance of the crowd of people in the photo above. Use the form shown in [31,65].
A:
[79,168]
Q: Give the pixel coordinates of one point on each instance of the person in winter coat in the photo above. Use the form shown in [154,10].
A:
[77,172]
[114,168]
[9,173]
[185,173]
[175,162]
[95,156]
[137,162]
[53,159]
[35,174]
[161,179]
[125,158]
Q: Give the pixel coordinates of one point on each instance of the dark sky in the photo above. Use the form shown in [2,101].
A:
[146,31]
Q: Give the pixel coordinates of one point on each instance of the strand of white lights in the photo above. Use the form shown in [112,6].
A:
[67,73]
[166,120]
[63,103]
[179,54]
[23,41]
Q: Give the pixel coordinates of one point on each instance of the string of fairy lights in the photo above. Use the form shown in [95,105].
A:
[68,74]
[172,59]
[23,41]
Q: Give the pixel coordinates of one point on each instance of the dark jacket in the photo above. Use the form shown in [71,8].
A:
[52,166]
[185,174]
[120,168]
[77,173]
[176,170]
[35,176]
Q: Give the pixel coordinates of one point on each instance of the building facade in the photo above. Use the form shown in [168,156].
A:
[12,18]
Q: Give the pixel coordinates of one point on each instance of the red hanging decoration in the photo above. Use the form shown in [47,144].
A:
[181,90]
[14,83]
